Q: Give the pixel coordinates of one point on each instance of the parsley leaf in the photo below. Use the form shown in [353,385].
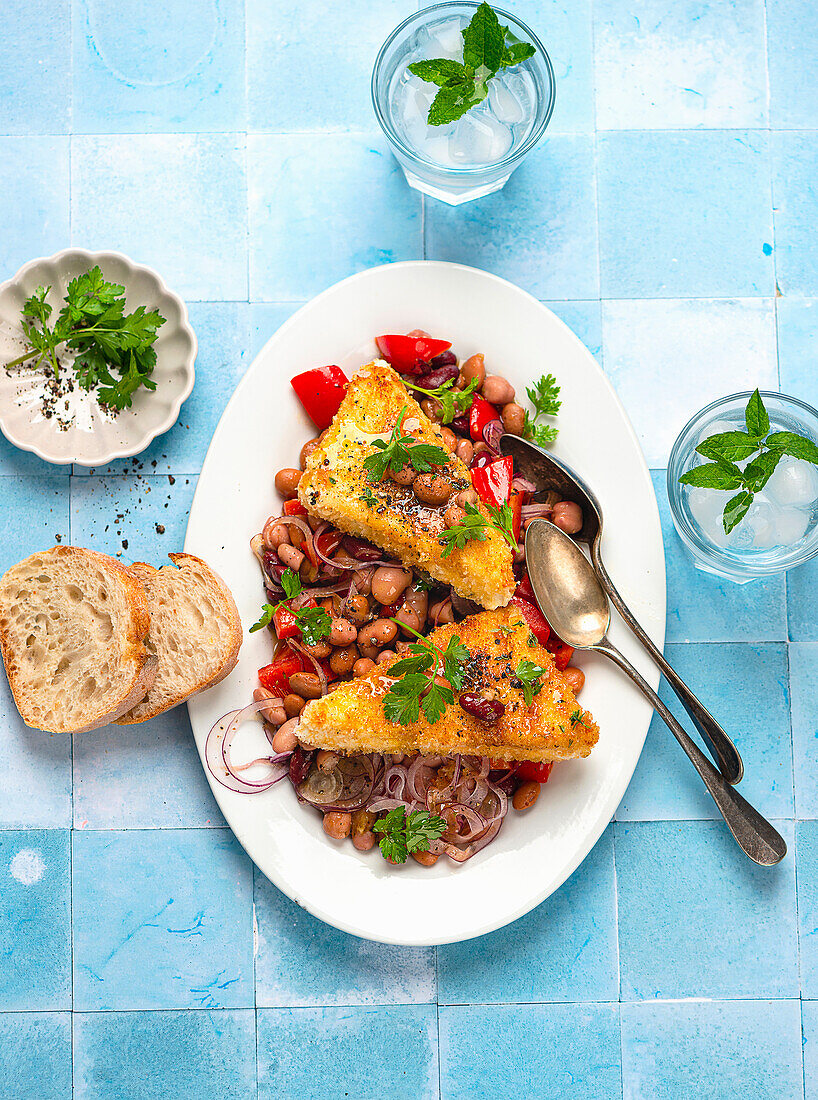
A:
[503,521]
[474,527]
[114,349]
[403,834]
[529,676]
[313,622]
[544,396]
[416,689]
[487,48]
[401,450]
[452,402]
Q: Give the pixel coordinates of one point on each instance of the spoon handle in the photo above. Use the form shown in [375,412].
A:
[721,747]
[754,834]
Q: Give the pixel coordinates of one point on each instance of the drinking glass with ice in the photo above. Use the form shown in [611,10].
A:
[475,154]
[777,528]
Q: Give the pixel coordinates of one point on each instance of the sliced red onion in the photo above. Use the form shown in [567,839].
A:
[217,754]
[383,805]
[531,511]
[523,485]
[491,434]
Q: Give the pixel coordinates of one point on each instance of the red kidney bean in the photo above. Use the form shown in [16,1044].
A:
[487,710]
[446,372]
[461,425]
[300,762]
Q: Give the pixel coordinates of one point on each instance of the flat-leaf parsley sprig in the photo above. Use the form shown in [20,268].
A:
[314,623]
[402,450]
[114,352]
[416,687]
[452,402]
[544,396]
[488,47]
[529,675]
[475,525]
[403,835]
[758,443]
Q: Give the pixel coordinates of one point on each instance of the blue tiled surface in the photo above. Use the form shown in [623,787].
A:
[669,218]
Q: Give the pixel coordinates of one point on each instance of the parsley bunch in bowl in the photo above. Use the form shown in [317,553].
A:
[113,350]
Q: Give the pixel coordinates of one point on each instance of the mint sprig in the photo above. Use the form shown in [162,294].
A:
[727,448]
[488,47]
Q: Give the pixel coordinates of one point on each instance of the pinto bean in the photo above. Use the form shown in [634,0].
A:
[567,516]
[293,705]
[497,390]
[388,582]
[441,612]
[379,633]
[337,824]
[363,580]
[285,739]
[357,610]
[343,659]
[432,409]
[464,451]
[289,556]
[425,859]
[432,489]
[513,416]
[474,367]
[467,496]
[384,656]
[274,713]
[362,667]
[327,761]
[575,678]
[342,632]
[307,450]
[454,515]
[305,684]
[286,482]
[526,795]
[410,619]
[403,477]
[364,842]
[274,534]
[320,650]
[449,439]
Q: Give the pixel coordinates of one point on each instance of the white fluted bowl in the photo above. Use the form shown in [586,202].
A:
[92,437]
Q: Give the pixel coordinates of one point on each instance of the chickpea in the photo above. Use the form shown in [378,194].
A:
[293,705]
[526,795]
[337,824]
[342,660]
[425,859]
[305,684]
[432,409]
[377,634]
[388,582]
[467,496]
[320,650]
[474,367]
[362,667]
[497,390]
[441,612]
[327,761]
[307,450]
[513,416]
[358,610]
[364,842]
[285,739]
[575,678]
[567,516]
[274,713]
[274,534]
[289,556]
[449,439]
[384,656]
[432,489]
[454,515]
[342,632]
[286,482]
[403,477]
[464,451]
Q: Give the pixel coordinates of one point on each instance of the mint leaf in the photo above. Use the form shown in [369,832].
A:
[756,418]
[734,446]
[452,102]
[516,52]
[483,42]
[440,71]
[794,445]
[735,510]
[713,475]
[758,472]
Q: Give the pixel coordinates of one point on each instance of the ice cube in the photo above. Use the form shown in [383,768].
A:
[479,139]
[762,523]
[504,104]
[443,39]
[793,482]
[716,427]
[707,507]
[790,525]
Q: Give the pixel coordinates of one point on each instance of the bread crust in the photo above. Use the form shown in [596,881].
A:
[133,650]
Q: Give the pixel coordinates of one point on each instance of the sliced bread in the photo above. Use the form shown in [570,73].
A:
[195,632]
[73,625]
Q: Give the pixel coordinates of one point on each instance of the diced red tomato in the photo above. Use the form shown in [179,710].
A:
[534,619]
[532,769]
[481,413]
[321,392]
[294,508]
[561,652]
[525,591]
[410,354]
[492,482]
[275,677]
[328,542]
[516,504]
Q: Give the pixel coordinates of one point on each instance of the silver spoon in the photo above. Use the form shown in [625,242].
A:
[545,470]
[576,607]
